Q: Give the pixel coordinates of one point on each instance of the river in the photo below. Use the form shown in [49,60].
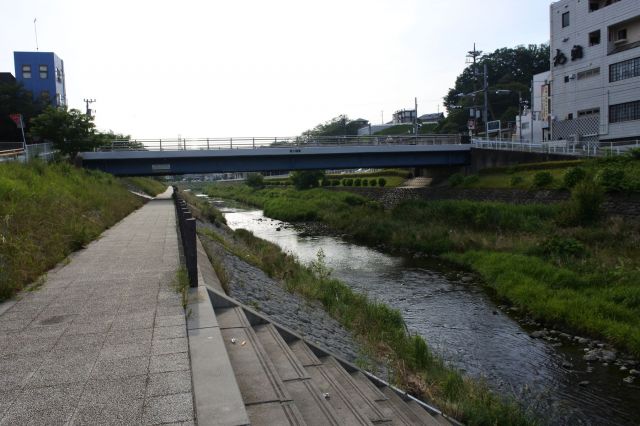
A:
[463,324]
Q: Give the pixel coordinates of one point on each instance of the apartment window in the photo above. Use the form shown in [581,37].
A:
[594,38]
[624,70]
[624,112]
[44,72]
[621,35]
[524,126]
[26,71]
[570,116]
[599,4]
[565,20]
[587,112]
[588,73]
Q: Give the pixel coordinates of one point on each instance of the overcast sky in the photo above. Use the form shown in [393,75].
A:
[208,68]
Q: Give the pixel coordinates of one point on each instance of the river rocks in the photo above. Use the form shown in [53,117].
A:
[600,355]
[584,383]
[635,373]
[539,334]
[567,365]
[252,287]
[629,379]
[467,279]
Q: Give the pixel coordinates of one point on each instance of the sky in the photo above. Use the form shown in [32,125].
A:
[208,68]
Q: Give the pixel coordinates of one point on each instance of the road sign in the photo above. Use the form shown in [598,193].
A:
[493,126]
[471,124]
[17,118]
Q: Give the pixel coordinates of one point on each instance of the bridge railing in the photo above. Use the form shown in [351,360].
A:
[183,144]
[564,147]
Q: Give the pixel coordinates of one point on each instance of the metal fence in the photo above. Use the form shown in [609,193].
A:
[563,147]
[182,144]
[187,227]
[17,151]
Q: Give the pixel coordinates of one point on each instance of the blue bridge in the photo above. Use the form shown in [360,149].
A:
[198,156]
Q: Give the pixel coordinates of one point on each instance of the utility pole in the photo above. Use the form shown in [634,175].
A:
[415,120]
[88,102]
[472,59]
[486,101]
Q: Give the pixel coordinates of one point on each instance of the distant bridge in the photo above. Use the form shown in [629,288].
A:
[199,156]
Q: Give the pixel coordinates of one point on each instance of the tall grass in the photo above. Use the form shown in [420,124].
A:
[149,186]
[49,211]
[383,332]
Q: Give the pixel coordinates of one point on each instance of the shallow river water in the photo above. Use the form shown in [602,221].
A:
[463,324]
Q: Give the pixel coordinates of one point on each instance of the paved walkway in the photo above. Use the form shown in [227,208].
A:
[104,340]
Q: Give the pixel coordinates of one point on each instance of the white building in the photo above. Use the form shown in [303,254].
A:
[595,70]
[533,125]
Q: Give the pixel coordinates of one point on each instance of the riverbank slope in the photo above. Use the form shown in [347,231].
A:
[49,211]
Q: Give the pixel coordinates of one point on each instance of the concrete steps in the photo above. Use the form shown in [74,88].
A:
[284,380]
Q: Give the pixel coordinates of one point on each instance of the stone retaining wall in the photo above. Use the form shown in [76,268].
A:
[618,204]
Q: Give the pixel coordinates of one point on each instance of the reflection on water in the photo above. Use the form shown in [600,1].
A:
[463,325]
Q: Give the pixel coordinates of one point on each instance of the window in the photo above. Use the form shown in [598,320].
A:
[624,112]
[599,4]
[26,71]
[524,126]
[44,72]
[624,70]
[621,35]
[570,116]
[565,20]
[594,38]
[587,112]
[588,73]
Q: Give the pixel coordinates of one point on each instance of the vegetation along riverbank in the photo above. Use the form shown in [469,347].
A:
[380,329]
[49,211]
[565,264]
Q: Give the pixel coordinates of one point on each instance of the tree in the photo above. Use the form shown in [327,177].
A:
[307,179]
[70,131]
[14,99]
[255,180]
[337,126]
[508,69]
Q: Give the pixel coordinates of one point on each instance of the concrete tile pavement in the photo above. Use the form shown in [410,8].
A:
[103,341]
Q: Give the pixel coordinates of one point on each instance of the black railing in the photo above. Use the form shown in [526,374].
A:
[187,227]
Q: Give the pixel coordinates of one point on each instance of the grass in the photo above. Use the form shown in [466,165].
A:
[49,211]
[585,277]
[181,285]
[149,186]
[605,170]
[382,331]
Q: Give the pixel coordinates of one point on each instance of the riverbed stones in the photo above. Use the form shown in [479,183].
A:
[539,334]
[599,354]
[635,373]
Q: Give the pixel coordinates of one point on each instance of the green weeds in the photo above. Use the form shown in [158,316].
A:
[47,212]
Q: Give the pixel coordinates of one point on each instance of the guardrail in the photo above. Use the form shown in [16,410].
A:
[19,151]
[187,228]
[563,147]
[181,144]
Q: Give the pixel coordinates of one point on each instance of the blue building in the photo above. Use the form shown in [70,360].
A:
[42,73]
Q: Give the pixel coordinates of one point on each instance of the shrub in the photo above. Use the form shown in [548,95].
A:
[255,180]
[335,182]
[635,153]
[326,182]
[470,180]
[562,248]
[306,179]
[347,182]
[382,182]
[456,180]
[373,182]
[365,182]
[612,179]
[573,176]
[585,206]
[542,179]
[357,182]
[516,180]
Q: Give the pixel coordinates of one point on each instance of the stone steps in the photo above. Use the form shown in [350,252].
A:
[285,380]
